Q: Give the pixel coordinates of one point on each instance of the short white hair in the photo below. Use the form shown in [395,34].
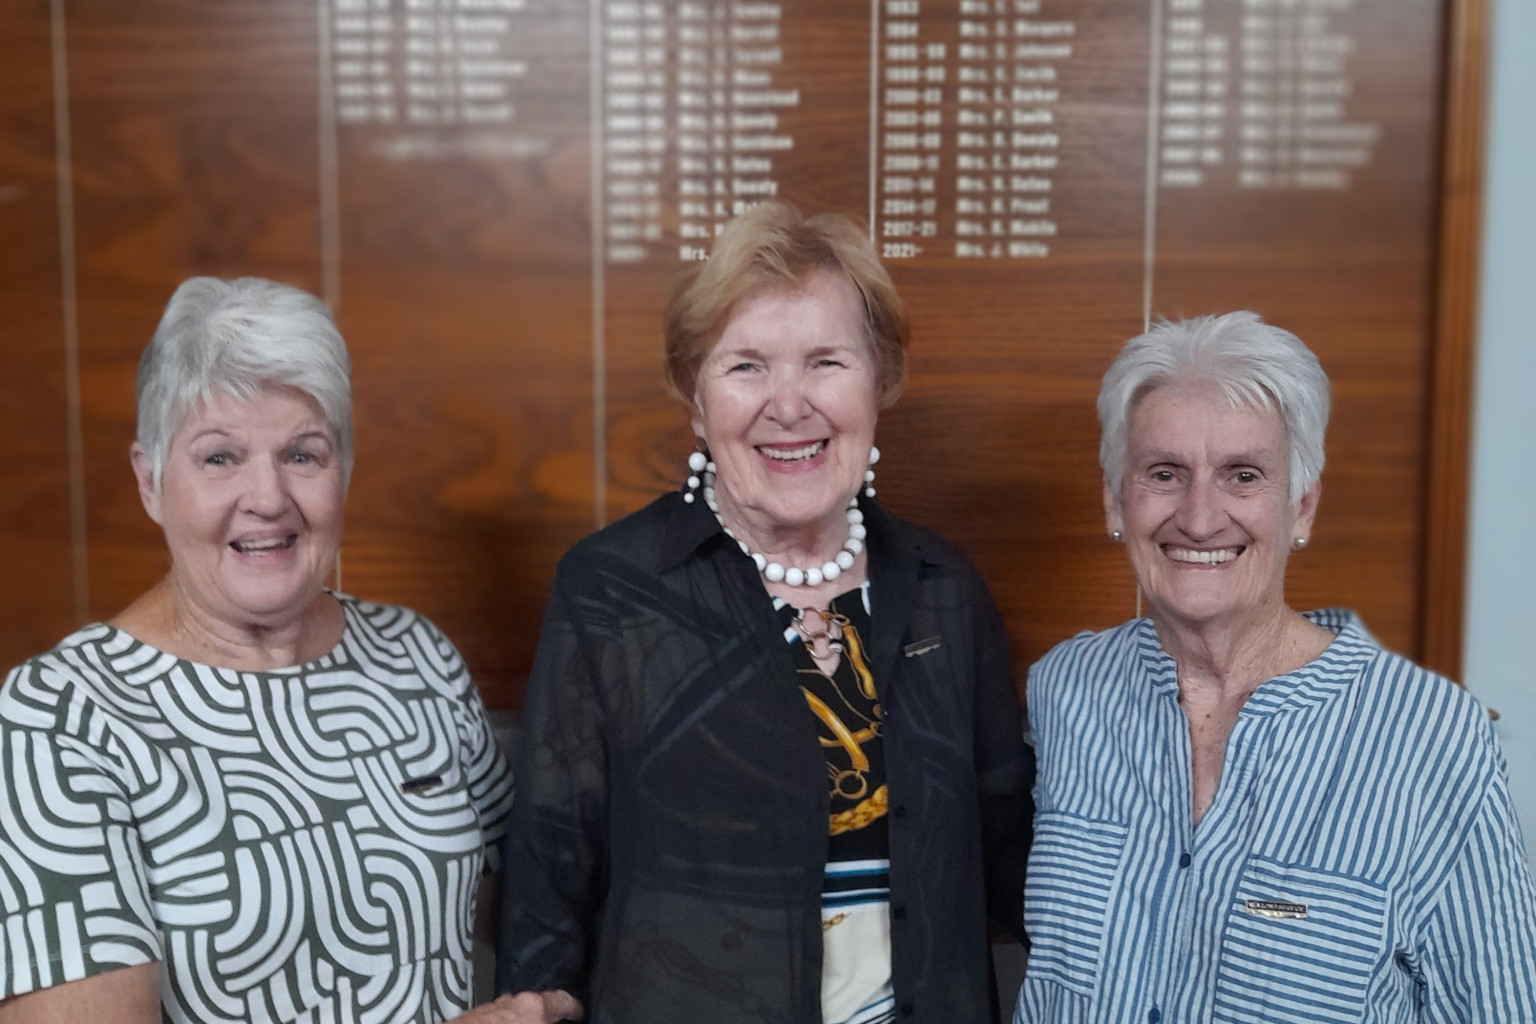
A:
[241,337]
[1253,363]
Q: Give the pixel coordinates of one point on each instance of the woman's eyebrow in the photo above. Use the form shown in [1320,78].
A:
[1250,457]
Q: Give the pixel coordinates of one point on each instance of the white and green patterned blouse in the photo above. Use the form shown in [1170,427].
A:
[296,845]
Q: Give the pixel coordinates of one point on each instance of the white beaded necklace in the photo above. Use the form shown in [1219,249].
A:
[775,572]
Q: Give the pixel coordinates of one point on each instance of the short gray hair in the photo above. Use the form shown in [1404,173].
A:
[241,337]
[1251,362]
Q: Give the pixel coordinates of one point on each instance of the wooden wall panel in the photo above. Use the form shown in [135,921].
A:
[194,139]
[37,547]
[465,264]
[1443,601]
[497,195]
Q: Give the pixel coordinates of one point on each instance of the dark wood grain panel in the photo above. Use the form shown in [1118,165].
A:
[37,606]
[507,375]
[194,139]
[466,298]
[1443,606]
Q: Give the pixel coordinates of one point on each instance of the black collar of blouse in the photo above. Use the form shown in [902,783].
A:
[897,551]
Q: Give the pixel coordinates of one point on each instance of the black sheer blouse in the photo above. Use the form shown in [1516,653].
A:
[664,859]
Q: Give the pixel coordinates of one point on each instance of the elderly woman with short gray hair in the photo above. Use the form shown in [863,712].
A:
[1246,813]
[245,797]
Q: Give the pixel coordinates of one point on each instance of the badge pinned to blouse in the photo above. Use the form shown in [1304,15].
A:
[422,784]
[1276,910]
[932,643]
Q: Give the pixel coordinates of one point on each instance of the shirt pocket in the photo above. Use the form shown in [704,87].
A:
[1301,946]
[1073,866]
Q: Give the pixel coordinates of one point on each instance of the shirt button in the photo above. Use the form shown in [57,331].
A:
[901,810]
[906,1009]
[899,913]
[1154,1015]
[1183,863]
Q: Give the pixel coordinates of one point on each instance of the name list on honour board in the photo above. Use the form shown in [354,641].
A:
[973,109]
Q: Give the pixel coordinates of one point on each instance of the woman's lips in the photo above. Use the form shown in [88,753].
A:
[1199,556]
[793,452]
[263,545]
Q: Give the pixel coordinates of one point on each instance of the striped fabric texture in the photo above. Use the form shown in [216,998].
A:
[1361,862]
[297,845]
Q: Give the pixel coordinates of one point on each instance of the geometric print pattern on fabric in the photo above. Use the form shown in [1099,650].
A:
[303,844]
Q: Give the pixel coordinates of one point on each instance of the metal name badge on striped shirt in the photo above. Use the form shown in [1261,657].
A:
[1275,909]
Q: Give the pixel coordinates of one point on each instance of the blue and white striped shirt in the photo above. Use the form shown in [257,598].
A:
[1361,861]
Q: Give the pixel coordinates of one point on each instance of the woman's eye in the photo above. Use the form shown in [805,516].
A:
[217,459]
[309,457]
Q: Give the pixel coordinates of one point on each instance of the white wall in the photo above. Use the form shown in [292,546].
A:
[1500,665]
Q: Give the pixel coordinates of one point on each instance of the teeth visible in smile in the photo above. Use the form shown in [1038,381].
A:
[808,451]
[247,547]
[1203,557]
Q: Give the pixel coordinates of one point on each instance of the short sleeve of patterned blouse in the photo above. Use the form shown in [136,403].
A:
[73,893]
[304,840]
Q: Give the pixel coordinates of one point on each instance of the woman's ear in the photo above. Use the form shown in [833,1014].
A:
[1306,512]
[696,417]
[1114,516]
[144,472]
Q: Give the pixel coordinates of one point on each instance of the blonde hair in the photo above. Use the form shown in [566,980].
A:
[773,244]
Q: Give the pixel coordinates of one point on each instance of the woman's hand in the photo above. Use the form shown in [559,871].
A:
[527,1008]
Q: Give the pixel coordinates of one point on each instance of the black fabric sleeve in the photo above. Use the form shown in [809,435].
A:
[554,853]
[1005,769]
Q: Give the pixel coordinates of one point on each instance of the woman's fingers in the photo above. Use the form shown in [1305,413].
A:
[530,1008]
[561,1005]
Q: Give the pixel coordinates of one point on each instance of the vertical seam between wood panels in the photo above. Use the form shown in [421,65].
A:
[329,186]
[79,574]
[1149,237]
[330,207]
[599,368]
[874,109]
[1154,115]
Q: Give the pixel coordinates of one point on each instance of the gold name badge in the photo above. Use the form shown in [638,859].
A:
[1278,911]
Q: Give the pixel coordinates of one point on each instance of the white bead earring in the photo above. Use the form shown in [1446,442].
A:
[869,474]
[698,463]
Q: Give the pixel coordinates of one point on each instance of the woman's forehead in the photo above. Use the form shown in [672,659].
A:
[1204,416]
[228,408]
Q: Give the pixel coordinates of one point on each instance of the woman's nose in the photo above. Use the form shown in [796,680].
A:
[1200,513]
[266,492]
[787,403]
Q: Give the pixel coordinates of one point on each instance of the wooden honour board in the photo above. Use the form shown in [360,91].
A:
[496,196]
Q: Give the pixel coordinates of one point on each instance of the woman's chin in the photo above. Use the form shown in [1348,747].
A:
[815,515]
[271,603]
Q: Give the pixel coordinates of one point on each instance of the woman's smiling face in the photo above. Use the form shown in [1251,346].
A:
[1205,506]
[251,503]
[786,401]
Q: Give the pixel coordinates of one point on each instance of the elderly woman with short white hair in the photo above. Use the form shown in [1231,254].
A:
[1246,813]
[245,797]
